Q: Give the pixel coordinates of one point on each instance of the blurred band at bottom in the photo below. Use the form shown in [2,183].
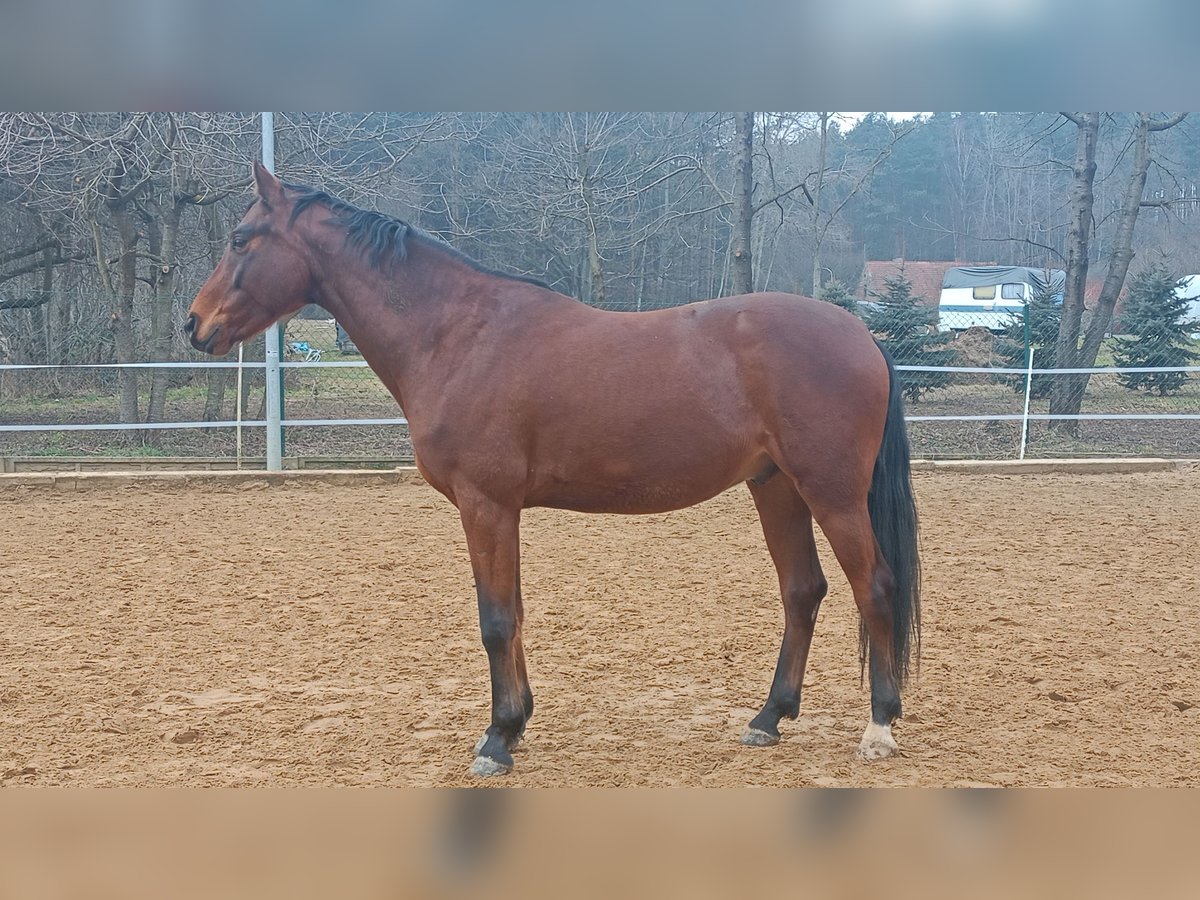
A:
[595,843]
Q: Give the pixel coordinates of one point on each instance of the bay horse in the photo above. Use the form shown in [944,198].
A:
[518,396]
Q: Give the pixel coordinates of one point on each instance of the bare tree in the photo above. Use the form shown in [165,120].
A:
[585,192]
[1067,396]
[94,172]
[852,175]
[126,186]
[743,208]
[756,136]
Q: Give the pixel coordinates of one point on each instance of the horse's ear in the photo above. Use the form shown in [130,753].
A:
[267,186]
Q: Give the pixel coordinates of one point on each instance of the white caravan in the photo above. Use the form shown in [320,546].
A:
[1190,291]
[991,297]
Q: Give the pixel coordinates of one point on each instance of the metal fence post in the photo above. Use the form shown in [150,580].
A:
[1028,381]
[282,395]
[273,342]
[1025,414]
[238,401]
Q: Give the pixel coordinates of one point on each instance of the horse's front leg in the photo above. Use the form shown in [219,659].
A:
[494,544]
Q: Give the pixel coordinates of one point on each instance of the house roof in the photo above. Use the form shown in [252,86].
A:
[926,277]
[1091,293]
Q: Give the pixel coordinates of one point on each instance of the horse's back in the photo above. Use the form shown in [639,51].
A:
[795,351]
[678,404]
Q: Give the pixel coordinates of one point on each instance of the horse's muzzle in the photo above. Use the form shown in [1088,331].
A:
[204,346]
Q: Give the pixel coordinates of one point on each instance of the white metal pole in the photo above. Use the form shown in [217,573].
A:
[241,347]
[1025,415]
[271,339]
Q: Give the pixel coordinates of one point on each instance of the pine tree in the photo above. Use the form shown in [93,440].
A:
[1157,328]
[1045,314]
[839,295]
[908,329]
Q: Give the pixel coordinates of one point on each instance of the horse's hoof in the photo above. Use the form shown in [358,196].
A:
[754,737]
[486,767]
[877,743]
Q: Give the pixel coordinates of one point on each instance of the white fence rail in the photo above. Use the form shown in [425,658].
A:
[156,426]
[1024,417]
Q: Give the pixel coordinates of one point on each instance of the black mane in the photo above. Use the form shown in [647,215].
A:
[382,238]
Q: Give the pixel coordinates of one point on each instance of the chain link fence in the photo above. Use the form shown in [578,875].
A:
[972,405]
[348,391]
[1004,377]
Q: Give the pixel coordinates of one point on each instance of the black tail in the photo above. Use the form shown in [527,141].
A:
[894,519]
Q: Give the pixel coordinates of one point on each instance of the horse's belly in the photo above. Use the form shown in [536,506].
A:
[628,499]
[614,487]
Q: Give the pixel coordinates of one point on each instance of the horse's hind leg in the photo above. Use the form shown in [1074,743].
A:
[787,526]
[848,529]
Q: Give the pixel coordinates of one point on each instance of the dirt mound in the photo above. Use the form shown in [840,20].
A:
[976,347]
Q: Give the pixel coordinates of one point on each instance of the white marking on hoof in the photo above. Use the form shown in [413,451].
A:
[877,742]
[486,767]
[479,744]
[754,737]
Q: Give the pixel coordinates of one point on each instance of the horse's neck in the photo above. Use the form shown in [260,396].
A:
[399,319]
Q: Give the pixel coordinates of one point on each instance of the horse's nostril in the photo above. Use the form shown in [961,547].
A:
[189,324]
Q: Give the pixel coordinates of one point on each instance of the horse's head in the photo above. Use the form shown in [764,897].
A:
[264,275]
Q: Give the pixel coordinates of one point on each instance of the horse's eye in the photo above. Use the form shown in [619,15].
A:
[238,242]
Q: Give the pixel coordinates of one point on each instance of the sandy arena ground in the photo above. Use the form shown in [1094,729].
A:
[321,634]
